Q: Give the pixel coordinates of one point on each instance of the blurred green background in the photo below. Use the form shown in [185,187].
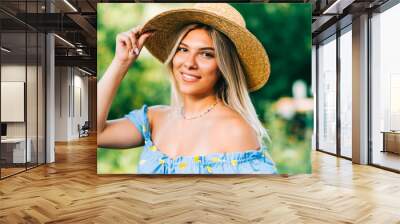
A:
[284,104]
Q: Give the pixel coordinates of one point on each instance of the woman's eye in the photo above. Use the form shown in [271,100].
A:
[182,49]
[208,55]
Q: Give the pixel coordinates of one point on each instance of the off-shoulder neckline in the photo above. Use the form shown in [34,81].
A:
[150,143]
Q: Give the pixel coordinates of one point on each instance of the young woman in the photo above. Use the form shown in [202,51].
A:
[211,126]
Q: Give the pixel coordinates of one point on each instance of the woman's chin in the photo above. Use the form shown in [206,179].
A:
[188,90]
[194,89]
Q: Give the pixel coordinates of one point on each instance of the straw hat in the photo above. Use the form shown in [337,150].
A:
[220,16]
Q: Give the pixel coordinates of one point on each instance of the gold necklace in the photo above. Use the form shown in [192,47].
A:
[200,115]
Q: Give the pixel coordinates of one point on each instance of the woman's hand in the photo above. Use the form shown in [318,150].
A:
[129,44]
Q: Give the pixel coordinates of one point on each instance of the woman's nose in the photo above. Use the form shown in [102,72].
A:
[190,61]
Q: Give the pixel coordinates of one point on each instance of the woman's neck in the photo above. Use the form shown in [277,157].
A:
[193,105]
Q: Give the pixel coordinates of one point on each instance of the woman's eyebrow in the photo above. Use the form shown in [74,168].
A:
[203,48]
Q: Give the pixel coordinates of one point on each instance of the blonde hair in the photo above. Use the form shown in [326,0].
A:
[231,88]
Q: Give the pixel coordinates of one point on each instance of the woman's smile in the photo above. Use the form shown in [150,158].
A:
[190,78]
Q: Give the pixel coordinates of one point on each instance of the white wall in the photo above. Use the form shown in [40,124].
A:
[71,94]
[33,127]
[12,73]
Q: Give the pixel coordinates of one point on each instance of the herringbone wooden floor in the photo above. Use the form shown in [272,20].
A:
[70,191]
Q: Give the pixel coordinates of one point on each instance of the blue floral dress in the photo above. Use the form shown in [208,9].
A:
[153,161]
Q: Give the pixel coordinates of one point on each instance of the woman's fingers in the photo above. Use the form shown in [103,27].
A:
[124,51]
[143,38]
[124,41]
[133,34]
[130,43]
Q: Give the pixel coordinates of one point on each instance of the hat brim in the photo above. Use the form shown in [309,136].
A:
[252,54]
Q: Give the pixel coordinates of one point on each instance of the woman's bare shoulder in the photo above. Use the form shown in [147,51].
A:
[158,111]
[235,133]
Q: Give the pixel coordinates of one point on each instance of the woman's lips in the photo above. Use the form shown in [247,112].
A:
[190,78]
